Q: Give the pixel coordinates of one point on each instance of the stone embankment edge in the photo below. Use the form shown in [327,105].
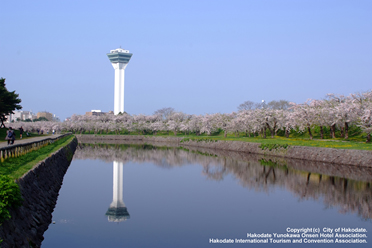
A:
[326,155]
[39,188]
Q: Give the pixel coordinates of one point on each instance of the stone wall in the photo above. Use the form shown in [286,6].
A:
[319,154]
[39,189]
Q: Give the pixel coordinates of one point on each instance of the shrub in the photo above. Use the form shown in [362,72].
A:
[10,196]
[273,146]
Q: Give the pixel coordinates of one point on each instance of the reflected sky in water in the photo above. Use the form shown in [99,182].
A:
[179,198]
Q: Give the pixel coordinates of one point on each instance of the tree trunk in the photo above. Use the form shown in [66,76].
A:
[309,129]
[342,132]
[175,133]
[286,132]
[368,138]
[321,132]
[225,134]
[271,130]
[333,131]
[346,130]
[264,132]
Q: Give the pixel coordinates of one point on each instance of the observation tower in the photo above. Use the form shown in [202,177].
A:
[119,59]
[117,211]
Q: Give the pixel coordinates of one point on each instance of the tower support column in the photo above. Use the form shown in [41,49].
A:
[119,87]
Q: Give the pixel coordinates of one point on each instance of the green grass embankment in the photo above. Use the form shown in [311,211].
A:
[16,167]
[13,168]
[336,143]
[355,141]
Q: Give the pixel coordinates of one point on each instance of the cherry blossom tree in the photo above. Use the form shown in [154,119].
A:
[223,121]
[175,121]
[335,111]
[303,116]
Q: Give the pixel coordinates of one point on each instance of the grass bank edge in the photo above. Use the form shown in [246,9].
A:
[38,156]
[295,141]
[10,195]
[279,141]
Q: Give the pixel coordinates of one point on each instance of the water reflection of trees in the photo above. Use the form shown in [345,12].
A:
[348,188]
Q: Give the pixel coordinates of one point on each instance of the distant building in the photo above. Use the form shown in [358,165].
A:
[56,118]
[20,115]
[47,115]
[28,115]
[98,113]
[94,113]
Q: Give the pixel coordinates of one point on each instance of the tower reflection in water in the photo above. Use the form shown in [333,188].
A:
[117,211]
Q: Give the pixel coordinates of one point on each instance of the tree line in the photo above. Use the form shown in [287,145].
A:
[334,113]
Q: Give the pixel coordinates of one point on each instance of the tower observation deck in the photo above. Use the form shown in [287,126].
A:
[119,59]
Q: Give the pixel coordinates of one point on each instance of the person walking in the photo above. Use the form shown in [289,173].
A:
[20,132]
[10,136]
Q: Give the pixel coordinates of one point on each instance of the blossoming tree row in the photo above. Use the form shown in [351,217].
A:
[335,112]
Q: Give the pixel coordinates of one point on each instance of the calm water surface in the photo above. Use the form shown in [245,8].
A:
[178,198]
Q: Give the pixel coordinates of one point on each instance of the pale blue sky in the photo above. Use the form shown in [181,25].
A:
[195,56]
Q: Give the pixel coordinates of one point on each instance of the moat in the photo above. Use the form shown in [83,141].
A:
[127,195]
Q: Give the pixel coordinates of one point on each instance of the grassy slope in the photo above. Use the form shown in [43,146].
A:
[355,141]
[16,167]
[338,144]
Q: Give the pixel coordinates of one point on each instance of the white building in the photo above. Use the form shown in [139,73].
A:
[119,59]
[20,115]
